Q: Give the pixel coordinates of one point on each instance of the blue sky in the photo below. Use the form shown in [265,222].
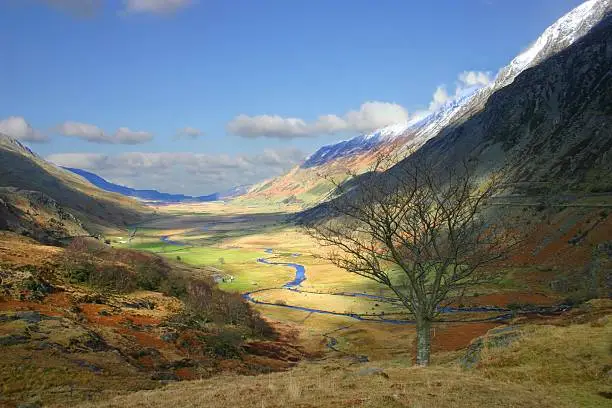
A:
[207,94]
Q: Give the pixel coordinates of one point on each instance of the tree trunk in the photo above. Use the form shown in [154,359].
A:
[423,342]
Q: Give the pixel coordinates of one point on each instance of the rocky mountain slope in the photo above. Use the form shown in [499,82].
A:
[547,132]
[26,175]
[304,183]
[37,215]
[551,125]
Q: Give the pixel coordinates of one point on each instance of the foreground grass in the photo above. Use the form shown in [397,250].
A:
[574,362]
[337,385]
[547,366]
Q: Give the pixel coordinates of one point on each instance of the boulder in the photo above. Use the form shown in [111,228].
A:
[495,338]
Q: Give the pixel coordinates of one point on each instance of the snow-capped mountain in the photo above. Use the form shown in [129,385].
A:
[404,138]
[416,128]
[555,38]
[358,144]
[558,36]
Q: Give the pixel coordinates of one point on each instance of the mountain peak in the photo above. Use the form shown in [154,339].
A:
[10,143]
[555,38]
[561,34]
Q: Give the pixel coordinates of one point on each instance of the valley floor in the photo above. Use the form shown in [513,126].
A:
[516,343]
[328,306]
[366,339]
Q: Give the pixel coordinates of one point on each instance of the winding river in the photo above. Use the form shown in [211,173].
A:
[300,276]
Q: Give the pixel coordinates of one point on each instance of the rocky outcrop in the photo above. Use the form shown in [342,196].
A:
[498,337]
[23,170]
[35,214]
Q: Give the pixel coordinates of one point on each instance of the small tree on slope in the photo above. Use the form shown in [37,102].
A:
[419,230]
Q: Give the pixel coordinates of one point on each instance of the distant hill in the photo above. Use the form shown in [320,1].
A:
[153,195]
[147,195]
[31,183]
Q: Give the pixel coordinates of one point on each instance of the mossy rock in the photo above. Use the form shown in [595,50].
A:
[495,338]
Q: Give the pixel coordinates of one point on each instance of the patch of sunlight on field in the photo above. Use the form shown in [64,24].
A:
[212,256]
[287,239]
[331,303]
[329,278]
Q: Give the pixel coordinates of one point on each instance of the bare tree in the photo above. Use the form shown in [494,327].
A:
[420,230]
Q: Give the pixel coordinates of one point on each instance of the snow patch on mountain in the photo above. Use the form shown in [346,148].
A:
[558,36]
[555,38]
[419,128]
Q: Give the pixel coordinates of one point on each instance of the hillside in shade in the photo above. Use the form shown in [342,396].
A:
[30,183]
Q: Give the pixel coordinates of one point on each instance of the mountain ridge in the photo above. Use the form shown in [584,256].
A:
[151,194]
[358,153]
[546,132]
[96,210]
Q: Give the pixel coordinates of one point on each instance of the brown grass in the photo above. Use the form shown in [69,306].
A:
[334,384]
[547,366]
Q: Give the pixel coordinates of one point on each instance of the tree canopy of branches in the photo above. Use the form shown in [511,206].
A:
[418,229]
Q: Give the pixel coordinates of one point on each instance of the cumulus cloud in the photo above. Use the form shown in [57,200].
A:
[466,81]
[155,6]
[472,78]
[94,134]
[84,131]
[188,133]
[124,135]
[79,7]
[370,116]
[268,126]
[439,98]
[188,173]
[17,127]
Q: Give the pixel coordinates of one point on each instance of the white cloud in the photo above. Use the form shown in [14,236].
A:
[439,98]
[465,81]
[124,135]
[80,7]
[330,124]
[94,134]
[268,126]
[155,6]
[370,116]
[79,160]
[374,115]
[18,128]
[472,78]
[84,131]
[188,133]
[188,173]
